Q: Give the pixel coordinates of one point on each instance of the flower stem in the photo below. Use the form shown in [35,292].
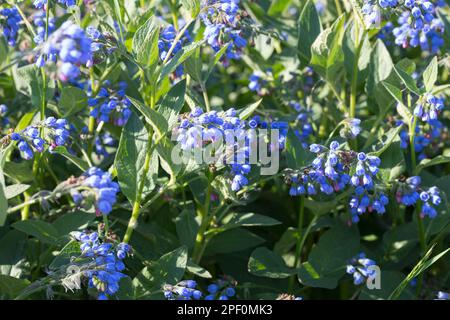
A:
[132,223]
[205,222]
[300,241]
[205,97]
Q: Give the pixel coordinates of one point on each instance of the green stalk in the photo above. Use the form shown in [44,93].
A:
[300,241]
[205,222]
[132,223]
[205,97]
[354,84]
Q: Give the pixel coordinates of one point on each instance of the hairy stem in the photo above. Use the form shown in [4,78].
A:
[300,241]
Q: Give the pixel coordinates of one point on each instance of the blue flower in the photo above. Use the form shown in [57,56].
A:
[360,268]
[11,25]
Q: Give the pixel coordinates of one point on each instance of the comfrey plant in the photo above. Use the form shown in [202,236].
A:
[166,41]
[117,132]
[417,22]
[360,268]
[110,104]
[221,18]
[69,47]
[409,192]
[94,187]
[30,140]
[100,263]
[10,21]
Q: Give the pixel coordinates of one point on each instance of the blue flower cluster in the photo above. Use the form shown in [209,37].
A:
[429,107]
[360,268]
[326,174]
[40,4]
[101,142]
[417,22]
[100,188]
[4,121]
[427,140]
[184,290]
[57,134]
[220,19]
[222,290]
[71,46]
[366,198]
[105,266]
[11,24]
[410,193]
[187,290]
[39,21]
[258,81]
[303,128]
[198,129]
[165,42]
[441,295]
[351,128]
[111,104]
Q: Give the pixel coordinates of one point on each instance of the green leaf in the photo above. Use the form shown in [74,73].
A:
[145,43]
[407,80]
[130,160]
[391,136]
[3,200]
[327,260]
[64,257]
[380,69]
[187,227]
[389,281]
[278,7]
[11,287]
[169,269]
[430,75]
[425,163]
[41,230]
[193,6]
[219,54]
[235,220]
[178,59]
[172,103]
[327,56]
[73,221]
[233,240]
[197,270]
[75,160]
[28,81]
[247,111]
[15,190]
[72,101]
[155,119]
[309,28]
[266,263]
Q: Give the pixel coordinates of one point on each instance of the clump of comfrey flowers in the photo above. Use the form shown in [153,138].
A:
[441,295]
[188,290]
[302,125]
[10,21]
[409,192]
[259,80]
[42,4]
[360,267]
[221,19]
[417,22]
[428,140]
[197,129]
[326,174]
[428,107]
[110,104]
[366,197]
[70,47]
[94,187]
[43,30]
[184,290]
[29,140]
[101,263]
[166,41]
